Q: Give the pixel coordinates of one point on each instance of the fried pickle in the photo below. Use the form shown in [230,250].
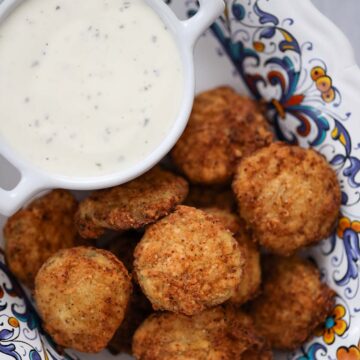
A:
[251,278]
[82,295]
[223,128]
[220,333]
[188,262]
[288,196]
[132,205]
[293,302]
[37,232]
[228,219]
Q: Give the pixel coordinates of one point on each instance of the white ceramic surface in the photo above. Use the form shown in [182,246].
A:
[33,180]
[248,52]
[345,14]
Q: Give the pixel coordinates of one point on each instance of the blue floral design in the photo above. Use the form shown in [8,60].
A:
[311,353]
[21,335]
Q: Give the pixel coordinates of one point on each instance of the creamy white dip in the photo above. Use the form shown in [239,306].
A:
[87,87]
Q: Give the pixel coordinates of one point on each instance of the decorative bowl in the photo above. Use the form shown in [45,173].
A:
[294,58]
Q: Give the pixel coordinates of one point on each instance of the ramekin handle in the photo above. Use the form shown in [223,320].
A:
[208,12]
[12,200]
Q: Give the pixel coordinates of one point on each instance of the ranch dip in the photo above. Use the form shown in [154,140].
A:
[87,87]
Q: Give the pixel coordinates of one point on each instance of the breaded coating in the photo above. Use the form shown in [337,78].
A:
[215,334]
[293,302]
[288,196]
[223,128]
[251,280]
[188,262]
[228,219]
[82,295]
[138,310]
[37,232]
[251,277]
[206,196]
[132,205]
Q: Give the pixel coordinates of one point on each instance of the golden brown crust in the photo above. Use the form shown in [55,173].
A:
[251,280]
[82,294]
[228,219]
[206,196]
[138,310]
[132,205]
[289,197]
[37,232]
[293,302]
[215,334]
[223,128]
[242,329]
[251,277]
[188,262]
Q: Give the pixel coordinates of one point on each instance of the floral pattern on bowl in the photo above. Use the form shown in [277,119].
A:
[302,66]
[21,336]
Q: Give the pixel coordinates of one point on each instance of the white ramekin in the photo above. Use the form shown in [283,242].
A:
[34,180]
